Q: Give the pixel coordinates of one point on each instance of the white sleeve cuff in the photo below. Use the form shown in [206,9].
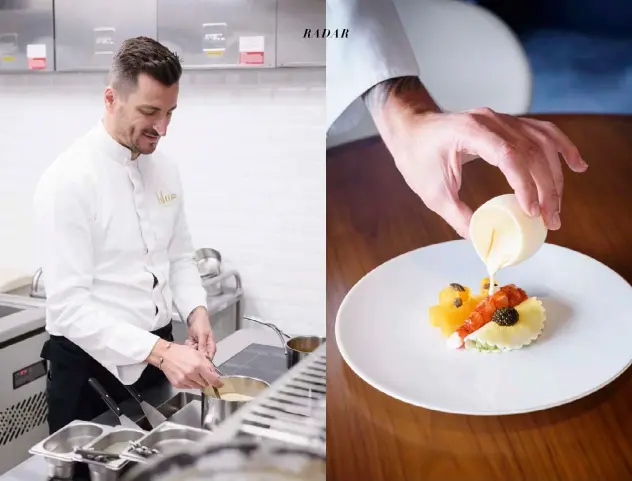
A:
[188,301]
[376,50]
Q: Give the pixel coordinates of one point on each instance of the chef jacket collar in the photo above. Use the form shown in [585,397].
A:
[116,151]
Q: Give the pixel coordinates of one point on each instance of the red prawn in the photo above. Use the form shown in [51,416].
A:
[506,296]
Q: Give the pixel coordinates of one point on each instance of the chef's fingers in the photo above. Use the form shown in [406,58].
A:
[533,148]
[201,342]
[217,380]
[194,385]
[478,133]
[454,211]
[211,347]
[193,380]
[553,160]
[183,382]
[548,176]
[547,193]
[211,378]
[200,382]
[563,144]
[443,198]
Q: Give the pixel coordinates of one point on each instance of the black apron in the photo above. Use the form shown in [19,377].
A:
[68,393]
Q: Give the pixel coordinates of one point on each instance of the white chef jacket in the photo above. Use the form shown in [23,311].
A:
[377,49]
[105,226]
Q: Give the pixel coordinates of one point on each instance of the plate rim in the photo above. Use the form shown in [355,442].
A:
[369,379]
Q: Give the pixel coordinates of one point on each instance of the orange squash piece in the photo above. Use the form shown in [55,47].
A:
[456,303]
[450,293]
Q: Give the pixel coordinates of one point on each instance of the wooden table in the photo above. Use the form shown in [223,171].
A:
[372,217]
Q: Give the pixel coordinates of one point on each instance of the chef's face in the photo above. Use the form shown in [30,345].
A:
[141,113]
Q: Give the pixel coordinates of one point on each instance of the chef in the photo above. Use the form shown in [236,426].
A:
[116,252]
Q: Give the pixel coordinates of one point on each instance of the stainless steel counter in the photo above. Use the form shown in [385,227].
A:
[34,468]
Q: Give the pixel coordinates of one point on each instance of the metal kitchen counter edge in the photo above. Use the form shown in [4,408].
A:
[34,468]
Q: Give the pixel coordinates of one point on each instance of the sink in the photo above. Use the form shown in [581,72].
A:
[24,291]
[8,310]
[20,298]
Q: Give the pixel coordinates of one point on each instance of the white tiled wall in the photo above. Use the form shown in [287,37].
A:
[250,145]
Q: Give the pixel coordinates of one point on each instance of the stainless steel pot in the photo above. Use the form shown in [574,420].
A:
[235,393]
[296,348]
[299,347]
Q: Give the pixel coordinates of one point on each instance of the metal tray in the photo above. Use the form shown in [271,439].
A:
[166,439]
[58,448]
[115,441]
[77,434]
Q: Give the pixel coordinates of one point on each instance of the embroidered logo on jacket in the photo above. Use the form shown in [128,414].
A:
[165,199]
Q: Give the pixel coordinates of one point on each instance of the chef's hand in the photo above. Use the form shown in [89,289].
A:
[200,332]
[430,148]
[184,366]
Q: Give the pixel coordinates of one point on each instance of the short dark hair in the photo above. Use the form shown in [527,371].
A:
[144,55]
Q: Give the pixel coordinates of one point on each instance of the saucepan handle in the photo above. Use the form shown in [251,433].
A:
[279,332]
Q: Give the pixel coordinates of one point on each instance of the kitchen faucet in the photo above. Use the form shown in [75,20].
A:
[35,283]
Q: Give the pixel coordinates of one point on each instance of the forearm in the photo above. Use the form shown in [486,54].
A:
[395,101]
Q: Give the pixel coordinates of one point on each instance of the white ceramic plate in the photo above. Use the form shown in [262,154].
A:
[383,332]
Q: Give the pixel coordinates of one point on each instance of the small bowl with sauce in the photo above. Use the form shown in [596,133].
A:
[235,393]
[504,235]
